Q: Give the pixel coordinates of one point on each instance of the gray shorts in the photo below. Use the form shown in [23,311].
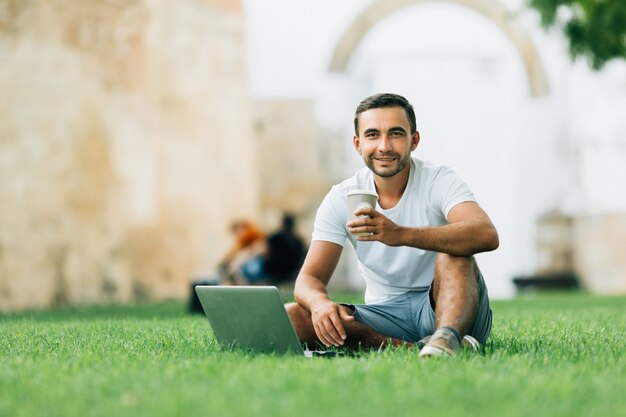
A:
[411,317]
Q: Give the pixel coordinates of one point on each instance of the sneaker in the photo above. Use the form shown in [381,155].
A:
[468,342]
[445,347]
[444,342]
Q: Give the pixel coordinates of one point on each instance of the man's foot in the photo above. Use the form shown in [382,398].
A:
[468,343]
[445,342]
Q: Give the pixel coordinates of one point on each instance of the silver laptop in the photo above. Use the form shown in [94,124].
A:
[252,318]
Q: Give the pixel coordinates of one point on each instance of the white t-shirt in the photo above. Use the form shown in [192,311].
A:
[389,271]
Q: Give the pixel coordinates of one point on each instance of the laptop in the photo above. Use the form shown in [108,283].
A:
[252,318]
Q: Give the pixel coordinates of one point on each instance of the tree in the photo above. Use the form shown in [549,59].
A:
[595,29]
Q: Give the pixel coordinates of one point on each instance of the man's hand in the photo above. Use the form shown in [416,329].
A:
[327,321]
[379,227]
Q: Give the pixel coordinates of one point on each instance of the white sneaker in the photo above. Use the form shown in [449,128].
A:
[444,342]
[446,348]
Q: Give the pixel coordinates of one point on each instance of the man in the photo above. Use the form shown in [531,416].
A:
[423,283]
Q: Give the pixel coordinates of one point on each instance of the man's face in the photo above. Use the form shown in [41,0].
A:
[384,140]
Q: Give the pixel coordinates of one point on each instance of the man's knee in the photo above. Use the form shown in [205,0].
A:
[299,316]
[296,312]
[444,261]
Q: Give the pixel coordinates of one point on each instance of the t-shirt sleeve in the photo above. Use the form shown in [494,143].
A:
[448,190]
[331,219]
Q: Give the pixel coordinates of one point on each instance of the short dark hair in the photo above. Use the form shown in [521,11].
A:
[384,100]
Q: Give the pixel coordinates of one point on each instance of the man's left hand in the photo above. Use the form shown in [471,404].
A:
[379,227]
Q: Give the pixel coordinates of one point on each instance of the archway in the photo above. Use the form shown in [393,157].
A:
[492,9]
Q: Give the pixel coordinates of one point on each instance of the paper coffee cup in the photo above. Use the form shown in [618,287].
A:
[359,199]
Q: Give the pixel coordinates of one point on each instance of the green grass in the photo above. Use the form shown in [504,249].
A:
[556,355]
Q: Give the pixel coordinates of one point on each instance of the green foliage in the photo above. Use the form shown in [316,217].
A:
[595,29]
[548,356]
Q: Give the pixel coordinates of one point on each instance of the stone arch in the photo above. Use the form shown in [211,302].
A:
[492,9]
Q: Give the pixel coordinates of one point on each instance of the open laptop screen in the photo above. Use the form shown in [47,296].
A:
[252,318]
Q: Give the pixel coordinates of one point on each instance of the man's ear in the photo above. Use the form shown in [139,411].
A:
[357,144]
[415,140]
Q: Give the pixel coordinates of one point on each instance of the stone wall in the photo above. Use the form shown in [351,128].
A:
[125,144]
[293,161]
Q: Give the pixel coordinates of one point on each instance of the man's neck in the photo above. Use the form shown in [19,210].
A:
[390,189]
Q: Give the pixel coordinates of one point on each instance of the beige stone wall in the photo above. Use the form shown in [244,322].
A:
[125,147]
[295,167]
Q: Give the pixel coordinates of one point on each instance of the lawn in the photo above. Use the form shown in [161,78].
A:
[553,355]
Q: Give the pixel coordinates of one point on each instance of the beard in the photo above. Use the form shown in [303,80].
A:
[401,163]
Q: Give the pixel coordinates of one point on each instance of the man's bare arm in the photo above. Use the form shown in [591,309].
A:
[310,292]
[469,231]
[319,265]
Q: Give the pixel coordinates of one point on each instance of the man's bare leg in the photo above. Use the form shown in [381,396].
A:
[455,292]
[359,335]
[455,300]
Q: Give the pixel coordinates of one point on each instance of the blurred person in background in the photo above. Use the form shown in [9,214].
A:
[243,263]
[415,249]
[285,253]
[257,260]
[245,253]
